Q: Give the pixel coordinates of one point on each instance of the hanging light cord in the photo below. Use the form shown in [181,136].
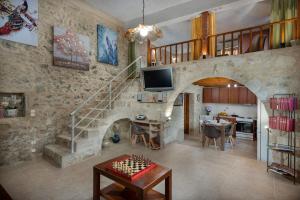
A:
[143,12]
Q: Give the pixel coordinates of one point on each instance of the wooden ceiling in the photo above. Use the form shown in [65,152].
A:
[216,82]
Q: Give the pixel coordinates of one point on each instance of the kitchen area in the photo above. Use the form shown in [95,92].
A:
[224,99]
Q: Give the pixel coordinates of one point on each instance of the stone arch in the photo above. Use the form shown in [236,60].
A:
[264,73]
[187,84]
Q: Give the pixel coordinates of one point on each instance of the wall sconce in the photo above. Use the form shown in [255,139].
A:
[173,59]
[235,85]
[266,127]
[228,85]
[204,55]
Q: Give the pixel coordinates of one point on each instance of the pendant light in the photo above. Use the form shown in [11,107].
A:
[143,32]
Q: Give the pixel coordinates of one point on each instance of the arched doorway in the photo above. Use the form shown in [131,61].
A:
[228,97]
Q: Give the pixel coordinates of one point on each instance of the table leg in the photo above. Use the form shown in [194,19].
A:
[203,140]
[142,195]
[223,138]
[96,184]
[168,187]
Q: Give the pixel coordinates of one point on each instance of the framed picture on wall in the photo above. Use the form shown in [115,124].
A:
[107,45]
[70,49]
[179,100]
[18,21]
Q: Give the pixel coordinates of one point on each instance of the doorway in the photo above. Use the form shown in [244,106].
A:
[186,107]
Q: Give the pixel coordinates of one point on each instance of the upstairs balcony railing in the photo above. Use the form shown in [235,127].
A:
[258,38]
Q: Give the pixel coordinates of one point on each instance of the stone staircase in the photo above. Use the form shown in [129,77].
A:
[85,146]
[90,121]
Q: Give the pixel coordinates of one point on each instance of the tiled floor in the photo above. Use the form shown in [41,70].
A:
[198,173]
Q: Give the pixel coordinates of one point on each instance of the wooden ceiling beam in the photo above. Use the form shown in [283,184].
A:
[216,82]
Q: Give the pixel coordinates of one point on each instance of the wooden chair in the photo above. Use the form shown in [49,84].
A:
[229,134]
[211,133]
[154,131]
[138,133]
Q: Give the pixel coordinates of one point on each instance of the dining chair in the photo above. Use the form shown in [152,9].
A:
[211,132]
[138,133]
[229,134]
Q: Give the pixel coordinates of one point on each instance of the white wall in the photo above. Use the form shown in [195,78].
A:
[262,122]
[241,110]
[175,126]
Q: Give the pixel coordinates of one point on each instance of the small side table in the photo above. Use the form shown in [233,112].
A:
[139,189]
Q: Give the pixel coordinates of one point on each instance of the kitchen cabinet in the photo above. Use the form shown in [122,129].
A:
[251,98]
[239,95]
[243,95]
[207,95]
[215,94]
[233,95]
[224,95]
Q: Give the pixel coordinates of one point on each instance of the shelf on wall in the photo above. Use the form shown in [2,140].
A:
[12,105]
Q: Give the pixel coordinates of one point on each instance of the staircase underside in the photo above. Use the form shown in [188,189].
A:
[61,157]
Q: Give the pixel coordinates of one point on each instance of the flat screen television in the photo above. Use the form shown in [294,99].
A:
[158,78]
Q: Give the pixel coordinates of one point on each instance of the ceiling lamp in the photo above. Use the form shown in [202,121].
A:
[143,32]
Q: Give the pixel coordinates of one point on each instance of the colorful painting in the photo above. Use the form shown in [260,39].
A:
[70,49]
[107,45]
[18,21]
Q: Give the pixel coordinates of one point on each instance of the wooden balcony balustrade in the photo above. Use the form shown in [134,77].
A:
[257,38]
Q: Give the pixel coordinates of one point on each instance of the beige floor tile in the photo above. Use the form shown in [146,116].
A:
[198,173]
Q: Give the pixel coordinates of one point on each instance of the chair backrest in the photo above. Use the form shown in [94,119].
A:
[137,129]
[211,131]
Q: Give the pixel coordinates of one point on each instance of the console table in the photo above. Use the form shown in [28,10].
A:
[139,189]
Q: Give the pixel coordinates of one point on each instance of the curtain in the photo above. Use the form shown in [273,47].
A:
[290,8]
[196,34]
[212,31]
[131,58]
[283,9]
[201,28]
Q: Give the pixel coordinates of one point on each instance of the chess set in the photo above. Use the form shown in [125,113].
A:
[132,167]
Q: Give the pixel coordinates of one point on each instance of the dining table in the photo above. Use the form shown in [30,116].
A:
[222,126]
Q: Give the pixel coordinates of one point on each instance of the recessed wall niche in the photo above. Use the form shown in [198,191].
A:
[12,105]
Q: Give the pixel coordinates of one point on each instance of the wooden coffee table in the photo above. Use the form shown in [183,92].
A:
[125,189]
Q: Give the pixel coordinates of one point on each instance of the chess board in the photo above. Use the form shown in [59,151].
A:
[131,168]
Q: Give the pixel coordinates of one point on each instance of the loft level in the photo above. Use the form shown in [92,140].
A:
[274,35]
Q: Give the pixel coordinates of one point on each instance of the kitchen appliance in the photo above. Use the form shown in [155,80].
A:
[140,117]
[244,128]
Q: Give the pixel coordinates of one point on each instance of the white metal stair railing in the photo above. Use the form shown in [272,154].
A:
[109,93]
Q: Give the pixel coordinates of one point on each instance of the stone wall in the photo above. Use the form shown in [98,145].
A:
[53,92]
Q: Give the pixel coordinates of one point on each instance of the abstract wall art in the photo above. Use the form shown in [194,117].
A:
[107,45]
[18,21]
[70,49]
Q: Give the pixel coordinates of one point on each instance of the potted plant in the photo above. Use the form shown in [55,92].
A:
[208,110]
[11,111]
